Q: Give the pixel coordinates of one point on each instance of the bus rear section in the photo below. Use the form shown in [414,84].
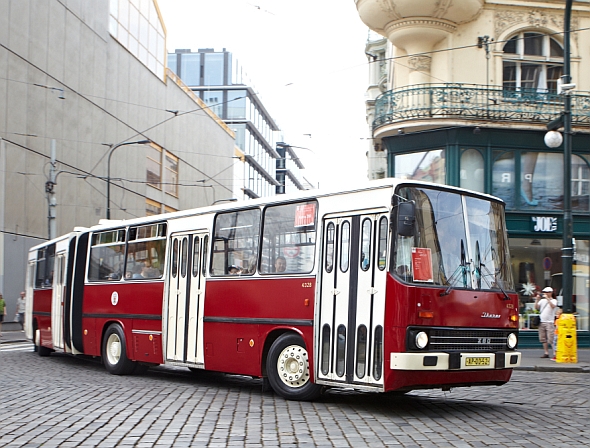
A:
[99,292]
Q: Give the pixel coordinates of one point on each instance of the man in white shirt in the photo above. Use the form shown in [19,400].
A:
[546,304]
[20,310]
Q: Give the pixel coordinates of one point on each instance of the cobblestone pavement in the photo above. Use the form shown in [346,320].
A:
[65,401]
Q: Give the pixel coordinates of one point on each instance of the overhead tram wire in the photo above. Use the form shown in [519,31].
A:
[81,95]
[175,115]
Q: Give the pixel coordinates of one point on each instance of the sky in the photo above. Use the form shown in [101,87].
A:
[306,60]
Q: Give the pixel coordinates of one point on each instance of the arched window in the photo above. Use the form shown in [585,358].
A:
[532,61]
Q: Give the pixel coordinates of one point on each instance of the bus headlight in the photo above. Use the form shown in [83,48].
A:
[511,341]
[421,340]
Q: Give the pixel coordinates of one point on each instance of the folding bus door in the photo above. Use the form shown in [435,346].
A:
[57,305]
[184,304]
[352,299]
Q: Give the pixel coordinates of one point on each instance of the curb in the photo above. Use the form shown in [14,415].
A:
[572,369]
[14,340]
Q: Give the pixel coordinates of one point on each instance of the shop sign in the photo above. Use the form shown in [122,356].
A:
[544,223]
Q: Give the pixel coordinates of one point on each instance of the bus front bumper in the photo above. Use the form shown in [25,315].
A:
[454,361]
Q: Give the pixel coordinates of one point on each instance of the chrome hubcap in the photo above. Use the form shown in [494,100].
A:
[293,366]
[113,349]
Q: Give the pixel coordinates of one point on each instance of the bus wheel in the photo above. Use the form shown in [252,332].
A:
[114,352]
[288,371]
[41,351]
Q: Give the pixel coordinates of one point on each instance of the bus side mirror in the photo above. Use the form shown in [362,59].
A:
[406,215]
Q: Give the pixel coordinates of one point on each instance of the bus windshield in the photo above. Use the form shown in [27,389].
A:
[458,241]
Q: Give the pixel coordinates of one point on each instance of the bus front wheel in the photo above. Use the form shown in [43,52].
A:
[114,352]
[288,370]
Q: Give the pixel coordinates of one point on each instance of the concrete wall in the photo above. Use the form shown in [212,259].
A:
[53,48]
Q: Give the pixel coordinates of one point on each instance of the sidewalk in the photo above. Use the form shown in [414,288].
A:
[531,360]
[531,357]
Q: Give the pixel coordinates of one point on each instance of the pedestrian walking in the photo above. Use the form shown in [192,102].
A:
[2,312]
[20,310]
[546,304]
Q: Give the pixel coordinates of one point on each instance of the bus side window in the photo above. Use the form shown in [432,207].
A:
[107,256]
[382,248]
[146,251]
[288,240]
[45,263]
[235,242]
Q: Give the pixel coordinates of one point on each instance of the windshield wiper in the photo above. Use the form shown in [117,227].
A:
[497,283]
[462,268]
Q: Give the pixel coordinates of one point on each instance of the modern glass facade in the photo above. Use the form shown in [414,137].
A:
[137,25]
[220,82]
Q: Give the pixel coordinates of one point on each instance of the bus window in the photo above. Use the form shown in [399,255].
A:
[288,238]
[146,252]
[205,247]
[378,353]
[235,242]
[184,257]
[330,247]
[366,245]
[45,262]
[361,351]
[174,260]
[107,256]
[382,260]
[458,241]
[345,247]
[340,350]
[325,349]
[196,257]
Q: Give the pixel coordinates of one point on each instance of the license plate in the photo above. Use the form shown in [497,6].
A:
[477,361]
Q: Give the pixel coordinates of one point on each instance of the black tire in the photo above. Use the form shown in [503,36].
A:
[41,351]
[287,367]
[114,352]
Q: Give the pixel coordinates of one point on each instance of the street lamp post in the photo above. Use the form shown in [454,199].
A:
[567,249]
[113,147]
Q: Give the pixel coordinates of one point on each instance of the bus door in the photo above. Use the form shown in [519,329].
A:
[352,299]
[57,301]
[184,304]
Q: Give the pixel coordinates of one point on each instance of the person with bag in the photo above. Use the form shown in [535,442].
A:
[21,306]
[546,304]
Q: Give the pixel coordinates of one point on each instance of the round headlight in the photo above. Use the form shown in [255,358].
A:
[421,340]
[511,341]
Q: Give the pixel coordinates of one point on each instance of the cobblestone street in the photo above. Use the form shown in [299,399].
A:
[66,401]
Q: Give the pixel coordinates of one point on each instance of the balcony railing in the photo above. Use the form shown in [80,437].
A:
[476,102]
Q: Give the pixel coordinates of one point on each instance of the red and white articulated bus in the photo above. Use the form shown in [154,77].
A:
[395,286]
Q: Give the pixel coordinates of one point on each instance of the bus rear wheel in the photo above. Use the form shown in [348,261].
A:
[288,370]
[114,352]
[41,351]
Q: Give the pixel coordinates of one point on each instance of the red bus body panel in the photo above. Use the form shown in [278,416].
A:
[138,306]
[240,314]
[42,313]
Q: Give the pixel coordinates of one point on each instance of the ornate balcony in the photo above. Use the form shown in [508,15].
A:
[478,103]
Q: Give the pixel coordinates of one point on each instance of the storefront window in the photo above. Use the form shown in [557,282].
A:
[536,263]
[472,170]
[541,177]
[427,166]
[580,183]
[503,177]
